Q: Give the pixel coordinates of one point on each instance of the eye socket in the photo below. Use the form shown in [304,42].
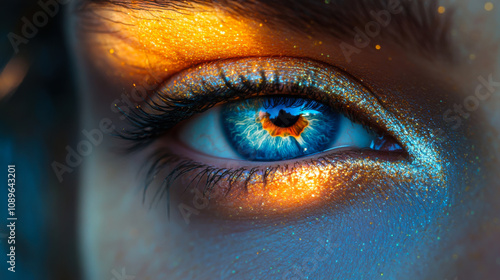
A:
[272,128]
[187,108]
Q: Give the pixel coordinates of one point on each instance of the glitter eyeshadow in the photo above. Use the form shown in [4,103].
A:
[287,186]
[159,43]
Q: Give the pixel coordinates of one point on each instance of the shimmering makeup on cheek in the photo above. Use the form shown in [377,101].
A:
[289,186]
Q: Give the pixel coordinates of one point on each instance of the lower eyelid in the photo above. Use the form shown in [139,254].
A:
[293,185]
[180,150]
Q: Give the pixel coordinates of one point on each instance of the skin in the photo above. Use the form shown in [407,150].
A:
[367,239]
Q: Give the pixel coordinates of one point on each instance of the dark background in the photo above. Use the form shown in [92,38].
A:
[37,121]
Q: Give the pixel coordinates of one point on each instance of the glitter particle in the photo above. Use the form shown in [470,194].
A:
[488,6]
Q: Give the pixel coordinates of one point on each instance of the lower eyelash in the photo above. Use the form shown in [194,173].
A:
[209,176]
[203,172]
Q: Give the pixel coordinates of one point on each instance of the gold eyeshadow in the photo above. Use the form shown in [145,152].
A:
[332,181]
[168,41]
[133,43]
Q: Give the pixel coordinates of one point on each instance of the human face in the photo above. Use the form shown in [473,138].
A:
[373,124]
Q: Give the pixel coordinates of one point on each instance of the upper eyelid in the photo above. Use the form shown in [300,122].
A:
[174,88]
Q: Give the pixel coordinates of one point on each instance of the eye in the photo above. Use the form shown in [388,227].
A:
[272,129]
[269,135]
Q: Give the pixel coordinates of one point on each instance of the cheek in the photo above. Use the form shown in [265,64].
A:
[394,239]
[117,230]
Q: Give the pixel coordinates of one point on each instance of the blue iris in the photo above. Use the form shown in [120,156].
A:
[279,128]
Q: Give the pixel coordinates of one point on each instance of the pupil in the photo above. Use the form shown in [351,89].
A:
[284,119]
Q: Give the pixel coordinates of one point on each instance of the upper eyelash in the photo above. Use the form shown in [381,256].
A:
[175,110]
[305,104]
[147,126]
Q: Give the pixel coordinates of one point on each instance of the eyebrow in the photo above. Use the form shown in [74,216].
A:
[419,27]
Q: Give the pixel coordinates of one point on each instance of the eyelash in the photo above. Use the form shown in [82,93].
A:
[146,127]
[214,174]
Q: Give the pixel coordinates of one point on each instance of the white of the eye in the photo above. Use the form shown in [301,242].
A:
[352,135]
[204,133]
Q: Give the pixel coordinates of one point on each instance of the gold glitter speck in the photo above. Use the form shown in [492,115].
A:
[488,6]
